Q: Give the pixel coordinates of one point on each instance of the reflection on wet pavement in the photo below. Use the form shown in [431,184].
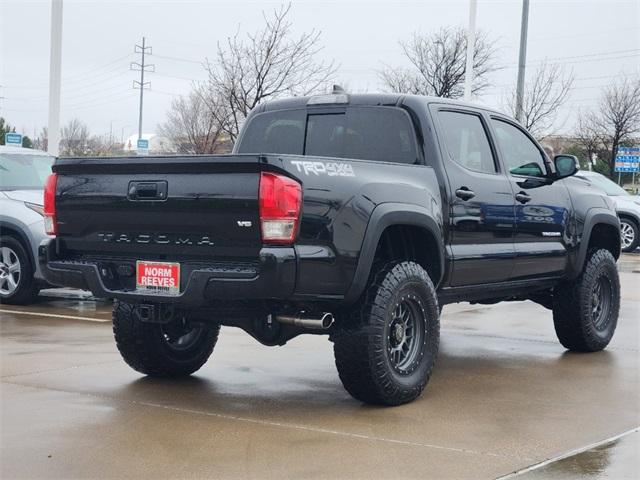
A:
[609,461]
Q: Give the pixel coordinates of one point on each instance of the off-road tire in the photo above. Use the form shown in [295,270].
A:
[578,327]
[631,224]
[362,338]
[27,289]
[144,346]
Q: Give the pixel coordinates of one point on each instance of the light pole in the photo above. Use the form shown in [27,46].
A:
[471,45]
[522,59]
[55,80]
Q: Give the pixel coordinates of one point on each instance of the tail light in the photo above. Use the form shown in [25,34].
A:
[50,222]
[280,205]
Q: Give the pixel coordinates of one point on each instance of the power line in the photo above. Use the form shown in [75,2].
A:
[600,54]
[191,79]
[180,59]
[108,100]
[579,35]
[586,60]
[172,94]
[95,72]
[72,92]
[77,77]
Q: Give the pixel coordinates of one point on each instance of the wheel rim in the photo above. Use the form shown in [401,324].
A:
[601,303]
[627,234]
[406,334]
[179,336]
[10,271]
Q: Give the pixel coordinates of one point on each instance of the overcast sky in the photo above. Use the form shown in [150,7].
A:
[599,40]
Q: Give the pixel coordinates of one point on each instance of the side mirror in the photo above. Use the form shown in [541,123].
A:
[566,165]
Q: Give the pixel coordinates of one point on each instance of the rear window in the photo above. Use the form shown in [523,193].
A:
[24,171]
[367,133]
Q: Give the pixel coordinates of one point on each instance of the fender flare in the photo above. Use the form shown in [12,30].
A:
[383,216]
[594,217]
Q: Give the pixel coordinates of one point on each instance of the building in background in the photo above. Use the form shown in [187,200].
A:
[157,144]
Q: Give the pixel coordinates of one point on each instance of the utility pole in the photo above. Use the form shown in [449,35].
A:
[471,45]
[55,80]
[523,59]
[142,67]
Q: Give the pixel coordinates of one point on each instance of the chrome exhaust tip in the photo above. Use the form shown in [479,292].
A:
[321,322]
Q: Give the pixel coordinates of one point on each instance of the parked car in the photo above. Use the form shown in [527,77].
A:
[353,216]
[627,206]
[23,172]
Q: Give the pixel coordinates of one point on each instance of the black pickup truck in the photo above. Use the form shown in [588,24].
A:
[356,216]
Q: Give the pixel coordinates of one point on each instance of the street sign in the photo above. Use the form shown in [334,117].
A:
[628,159]
[14,139]
[143,146]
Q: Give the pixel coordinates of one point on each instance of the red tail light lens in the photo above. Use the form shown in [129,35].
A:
[50,222]
[280,205]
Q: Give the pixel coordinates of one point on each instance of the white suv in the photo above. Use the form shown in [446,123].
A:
[627,207]
[23,172]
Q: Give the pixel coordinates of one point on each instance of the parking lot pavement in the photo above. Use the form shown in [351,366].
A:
[505,396]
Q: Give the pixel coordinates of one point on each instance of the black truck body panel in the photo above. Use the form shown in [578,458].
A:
[202,211]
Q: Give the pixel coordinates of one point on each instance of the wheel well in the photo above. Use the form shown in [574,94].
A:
[629,217]
[410,242]
[605,236]
[9,231]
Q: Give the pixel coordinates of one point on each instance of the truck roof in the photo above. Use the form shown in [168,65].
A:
[367,99]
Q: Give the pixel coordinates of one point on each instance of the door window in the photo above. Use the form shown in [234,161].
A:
[467,142]
[521,155]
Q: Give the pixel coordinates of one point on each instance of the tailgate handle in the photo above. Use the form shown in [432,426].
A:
[149,191]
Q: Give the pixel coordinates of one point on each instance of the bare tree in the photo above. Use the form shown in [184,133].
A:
[616,120]
[77,141]
[41,140]
[545,92]
[438,64]
[619,115]
[251,68]
[74,139]
[591,138]
[194,123]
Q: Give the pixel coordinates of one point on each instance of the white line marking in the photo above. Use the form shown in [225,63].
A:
[255,421]
[270,423]
[568,454]
[55,315]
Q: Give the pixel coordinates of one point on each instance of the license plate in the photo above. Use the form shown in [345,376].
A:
[158,277]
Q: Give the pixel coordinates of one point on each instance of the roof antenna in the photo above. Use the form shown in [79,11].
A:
[337,89]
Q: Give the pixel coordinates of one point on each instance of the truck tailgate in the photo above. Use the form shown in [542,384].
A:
[159,207]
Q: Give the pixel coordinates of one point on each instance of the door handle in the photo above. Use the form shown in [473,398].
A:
[464,193]
[522,197]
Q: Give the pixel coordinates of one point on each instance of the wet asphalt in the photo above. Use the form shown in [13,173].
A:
[505,397]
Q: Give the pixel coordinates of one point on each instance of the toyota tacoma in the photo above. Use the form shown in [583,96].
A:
[352,216]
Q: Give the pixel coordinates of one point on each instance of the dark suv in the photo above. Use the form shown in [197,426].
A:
[356,216]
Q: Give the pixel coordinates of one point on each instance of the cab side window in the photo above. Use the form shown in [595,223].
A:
[521,155]
[466,141]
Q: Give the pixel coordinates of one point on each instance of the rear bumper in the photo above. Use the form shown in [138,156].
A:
[271,277]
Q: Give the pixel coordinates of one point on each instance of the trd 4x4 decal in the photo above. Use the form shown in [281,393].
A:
[332,169]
